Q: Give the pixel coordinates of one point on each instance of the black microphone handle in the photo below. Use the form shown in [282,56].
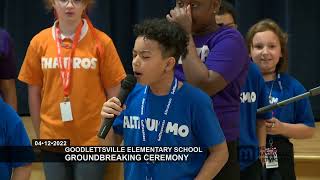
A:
[107,122]
[106,126]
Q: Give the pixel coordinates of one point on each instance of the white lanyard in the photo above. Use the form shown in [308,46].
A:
[280,86]
[143,114]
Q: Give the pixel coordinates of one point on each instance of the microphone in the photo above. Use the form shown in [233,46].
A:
[311,92]
[126,86]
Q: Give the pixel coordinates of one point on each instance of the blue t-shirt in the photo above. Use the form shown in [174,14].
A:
[253,96]
[285,87]
[191,110]
[224,51]
[12,133]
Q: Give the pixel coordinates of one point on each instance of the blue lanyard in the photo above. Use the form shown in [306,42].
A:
[143,116]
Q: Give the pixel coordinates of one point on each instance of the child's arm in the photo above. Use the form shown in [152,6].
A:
[8,89]
[262,136]
[296,131]
[109,109]
[112,139]
[216,160]
[34,106]
[21,173]
[195,71]
[198,74]
[113,91]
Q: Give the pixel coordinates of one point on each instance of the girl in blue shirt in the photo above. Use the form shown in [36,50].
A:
[267,44]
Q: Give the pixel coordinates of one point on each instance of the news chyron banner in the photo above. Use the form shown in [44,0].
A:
[61,151]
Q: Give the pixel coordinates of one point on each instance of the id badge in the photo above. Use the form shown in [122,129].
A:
[66,113]
[271,158]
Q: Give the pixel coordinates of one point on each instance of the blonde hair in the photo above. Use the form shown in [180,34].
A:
[48,3]
[270,25]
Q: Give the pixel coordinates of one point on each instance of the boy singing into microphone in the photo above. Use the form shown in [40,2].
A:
[162,111]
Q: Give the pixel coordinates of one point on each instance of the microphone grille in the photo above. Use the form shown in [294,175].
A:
[129,82]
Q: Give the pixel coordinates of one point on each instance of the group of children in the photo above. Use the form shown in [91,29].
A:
[267,45]
[191,70]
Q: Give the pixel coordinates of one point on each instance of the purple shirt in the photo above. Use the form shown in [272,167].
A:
[224,52]
[8,59]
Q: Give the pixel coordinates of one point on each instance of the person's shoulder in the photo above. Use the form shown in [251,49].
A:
[42,36]
[289,79]
[194,94]
[44,33]
[229,32]
[254,80]
[102,36]
[226,36]
[253,66]
[4,33]
[292,83]
[254,70]
[137,91]
[9,118]
[138,88]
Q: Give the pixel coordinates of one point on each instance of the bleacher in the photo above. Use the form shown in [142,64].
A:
[307,157]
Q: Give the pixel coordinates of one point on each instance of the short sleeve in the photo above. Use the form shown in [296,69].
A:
[18,139]
[263,99]
[118,124]
[228,57]
[111,68]
[205,123]
[31,72]
[302,108]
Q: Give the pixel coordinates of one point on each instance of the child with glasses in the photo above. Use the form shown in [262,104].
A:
[70,68]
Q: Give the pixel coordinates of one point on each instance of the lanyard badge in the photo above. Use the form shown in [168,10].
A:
[143,118]
[65,72]
[271,157]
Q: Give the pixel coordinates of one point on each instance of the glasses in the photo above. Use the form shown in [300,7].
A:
[73,2]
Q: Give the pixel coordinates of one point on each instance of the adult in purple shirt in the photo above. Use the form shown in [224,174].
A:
[8,71]
[217,63]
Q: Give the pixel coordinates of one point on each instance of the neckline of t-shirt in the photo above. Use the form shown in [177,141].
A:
[278,78]
[213,33]
[161,96]
[84,31]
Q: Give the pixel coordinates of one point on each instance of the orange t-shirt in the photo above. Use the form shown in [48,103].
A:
[90,77]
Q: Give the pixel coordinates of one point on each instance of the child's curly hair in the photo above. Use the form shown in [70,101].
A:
[172,38]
